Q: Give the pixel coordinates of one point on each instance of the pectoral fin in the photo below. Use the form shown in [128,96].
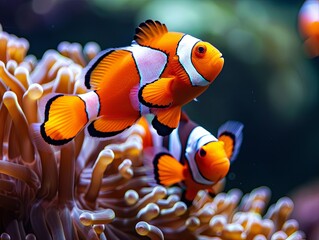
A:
[157,94]
[167,170]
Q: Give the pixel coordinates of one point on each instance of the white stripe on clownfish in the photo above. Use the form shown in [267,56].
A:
[197,138]
[184,52]
[92,104]
[149,68]
[175,145]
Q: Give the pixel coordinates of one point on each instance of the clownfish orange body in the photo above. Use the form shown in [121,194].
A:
[159,73]
[191,156]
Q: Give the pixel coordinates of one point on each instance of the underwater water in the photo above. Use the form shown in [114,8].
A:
[91,189]
[82,191]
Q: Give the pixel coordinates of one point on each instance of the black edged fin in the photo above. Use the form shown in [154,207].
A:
[52,141]
[167,170]
[105,128]
[149,30]
[157,94]
[99,134]
[64,117]
[231,133]
[166,119]
[161,128]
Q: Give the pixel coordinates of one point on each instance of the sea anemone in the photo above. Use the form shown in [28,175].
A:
[91,189]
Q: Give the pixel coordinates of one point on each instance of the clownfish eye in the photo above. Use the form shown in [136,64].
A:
[200,50]
[202,153]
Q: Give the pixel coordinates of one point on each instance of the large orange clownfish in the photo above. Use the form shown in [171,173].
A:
[159,73]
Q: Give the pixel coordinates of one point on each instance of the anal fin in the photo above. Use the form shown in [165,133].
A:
[104,127]
[166,120]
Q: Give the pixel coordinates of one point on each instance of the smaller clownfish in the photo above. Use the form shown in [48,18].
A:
[309,26]
[157,74]
[192,156]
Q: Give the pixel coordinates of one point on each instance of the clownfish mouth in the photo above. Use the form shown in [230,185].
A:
[216,66]
[220,169]
[218,60]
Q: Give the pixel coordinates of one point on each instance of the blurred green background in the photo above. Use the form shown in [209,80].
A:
[268,82]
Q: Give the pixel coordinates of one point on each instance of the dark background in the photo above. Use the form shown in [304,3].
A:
[268,82]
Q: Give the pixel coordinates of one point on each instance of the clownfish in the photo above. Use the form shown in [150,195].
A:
[191,156]
[309,26]
[159,73]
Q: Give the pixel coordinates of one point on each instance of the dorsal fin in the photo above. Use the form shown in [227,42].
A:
[100,67]
[231,133]
[149,30]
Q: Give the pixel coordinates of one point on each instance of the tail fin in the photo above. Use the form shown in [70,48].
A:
[231,133]
[64,117]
